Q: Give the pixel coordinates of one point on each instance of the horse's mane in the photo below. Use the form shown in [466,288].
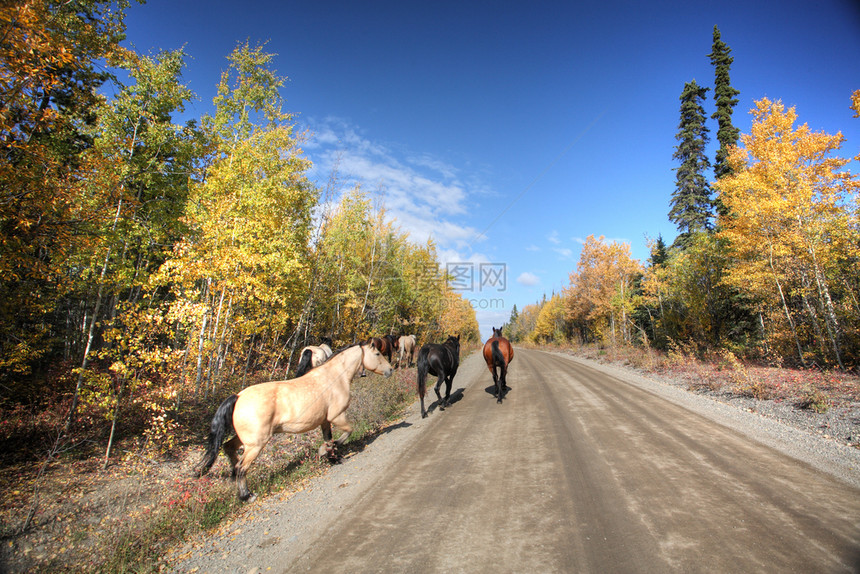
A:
[339,351]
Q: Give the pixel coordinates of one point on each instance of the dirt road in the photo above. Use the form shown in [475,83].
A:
[577,471]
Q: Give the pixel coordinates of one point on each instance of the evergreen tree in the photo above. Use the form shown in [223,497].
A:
[659,255]
[514,315]
[692,207]
[724,96]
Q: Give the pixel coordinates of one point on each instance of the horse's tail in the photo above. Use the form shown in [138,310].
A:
[423,367]
[221,423]
[305,363]
[498,357]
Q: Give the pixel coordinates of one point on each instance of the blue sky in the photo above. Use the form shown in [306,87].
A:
[511,131]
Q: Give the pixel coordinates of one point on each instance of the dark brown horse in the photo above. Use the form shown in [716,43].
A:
[317,399]
[442,361]
[498,354]
[386,344]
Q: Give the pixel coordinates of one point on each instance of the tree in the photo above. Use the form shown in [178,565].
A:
[239,276]
[550,324]
[600,299]
[135,190]
[512,321]
[48,93]
[792,233]
[526,320]
[692,208]
[724,96]
[458,317]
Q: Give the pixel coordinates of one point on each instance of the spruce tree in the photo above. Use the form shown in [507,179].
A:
[724,96]
[692,207]
[659,255]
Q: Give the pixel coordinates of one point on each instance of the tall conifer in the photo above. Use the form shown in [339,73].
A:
[692,207]
[724,96]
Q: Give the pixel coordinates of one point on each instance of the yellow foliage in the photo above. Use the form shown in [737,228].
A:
[790,222]
[600,295]
[458,317]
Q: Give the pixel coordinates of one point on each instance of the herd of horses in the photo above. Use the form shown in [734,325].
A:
[320,393]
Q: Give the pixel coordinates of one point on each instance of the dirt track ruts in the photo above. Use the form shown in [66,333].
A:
[578,471]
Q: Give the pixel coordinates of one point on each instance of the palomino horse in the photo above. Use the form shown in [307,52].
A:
[406,344]
[318,399]
[498,354]
[442,361]
[313,356]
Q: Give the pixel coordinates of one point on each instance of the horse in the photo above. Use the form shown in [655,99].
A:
[386,344]
[406,344]
[313,356]
[318,399]
[498,354]
[394,344]
[442,361]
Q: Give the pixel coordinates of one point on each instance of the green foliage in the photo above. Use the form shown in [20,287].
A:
[724,97]
[692,208]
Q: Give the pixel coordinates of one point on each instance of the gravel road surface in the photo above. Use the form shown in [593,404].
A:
[583,468]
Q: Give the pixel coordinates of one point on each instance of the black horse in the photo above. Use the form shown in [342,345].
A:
[442,361]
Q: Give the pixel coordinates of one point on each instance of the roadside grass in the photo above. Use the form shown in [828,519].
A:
[723,373]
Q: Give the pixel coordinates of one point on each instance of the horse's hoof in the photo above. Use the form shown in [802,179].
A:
[252,498]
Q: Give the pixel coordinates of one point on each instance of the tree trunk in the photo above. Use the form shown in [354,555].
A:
[200,344]
[114,422]
[831,322]
[785,305]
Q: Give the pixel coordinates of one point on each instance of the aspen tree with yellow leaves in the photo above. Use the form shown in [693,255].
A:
[791,229]
[550,325]
[457,318]
[601,296]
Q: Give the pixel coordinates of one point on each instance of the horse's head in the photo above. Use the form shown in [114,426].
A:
[454,343]
[395,341]
[497,332]
[373,360]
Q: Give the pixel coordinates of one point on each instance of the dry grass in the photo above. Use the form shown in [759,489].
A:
[724,373]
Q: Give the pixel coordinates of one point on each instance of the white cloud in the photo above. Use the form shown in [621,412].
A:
[528,279]
[553,237]
[422,193]
[532,248]
[564,252]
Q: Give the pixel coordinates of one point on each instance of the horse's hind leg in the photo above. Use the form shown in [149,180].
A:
[341,422]
[448,382]
[231,449]
[250,454]
[504,380]
[438,386]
